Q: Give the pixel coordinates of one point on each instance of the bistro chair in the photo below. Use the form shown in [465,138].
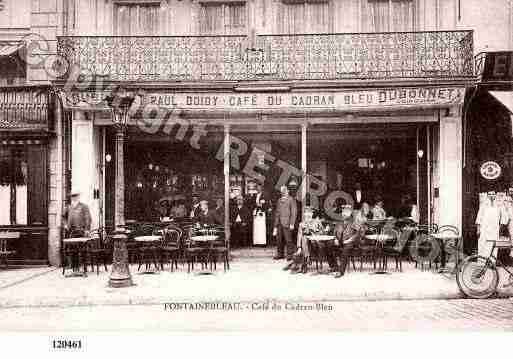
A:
[171,246]
[99,249]
[368,249]
[220,249]
[5,249]
[148,253]
[73,255]
[392,250]
[196,251]
[422,245]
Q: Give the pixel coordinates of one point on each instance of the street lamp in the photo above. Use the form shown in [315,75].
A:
[120,102]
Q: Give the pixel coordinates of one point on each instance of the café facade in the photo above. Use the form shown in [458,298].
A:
[218,141]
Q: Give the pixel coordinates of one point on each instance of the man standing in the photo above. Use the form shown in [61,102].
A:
[219,211]
[195,209]
[284,223]
[78,217]
[239,220]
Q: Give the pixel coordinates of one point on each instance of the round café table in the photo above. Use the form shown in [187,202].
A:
[380,238]
[146,243]
[205,238]
[76,245]
[320,240]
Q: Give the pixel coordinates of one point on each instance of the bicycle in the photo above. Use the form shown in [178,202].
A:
[478,277]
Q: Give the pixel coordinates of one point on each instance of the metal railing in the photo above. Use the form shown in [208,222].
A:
[22,107]
[437,54]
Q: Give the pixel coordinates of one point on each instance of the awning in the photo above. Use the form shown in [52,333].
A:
[9,48]
[505,97]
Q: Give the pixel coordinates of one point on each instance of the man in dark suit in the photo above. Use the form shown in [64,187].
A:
[239,222]
[195,208]
[205,216]
[219,211]
[284,224]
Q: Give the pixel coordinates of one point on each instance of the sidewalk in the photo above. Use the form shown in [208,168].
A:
[251,278]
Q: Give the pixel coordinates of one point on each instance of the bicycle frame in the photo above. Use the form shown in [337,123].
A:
[493,261]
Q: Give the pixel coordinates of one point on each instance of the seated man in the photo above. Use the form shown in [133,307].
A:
[308,226]
[347,234]
[205,216]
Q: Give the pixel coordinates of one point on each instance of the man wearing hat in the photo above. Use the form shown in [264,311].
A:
[284,224]
[239,222]
[77,217]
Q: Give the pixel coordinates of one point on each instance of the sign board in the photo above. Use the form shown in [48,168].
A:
[498,66]
[340,100]
[291,101]
[490,170]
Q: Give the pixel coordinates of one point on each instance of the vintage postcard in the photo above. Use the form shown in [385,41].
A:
[256,166]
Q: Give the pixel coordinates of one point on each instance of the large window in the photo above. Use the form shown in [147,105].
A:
[136,19]
[389,15]
[306,16]
[23,181]
[13,186]
[218,18]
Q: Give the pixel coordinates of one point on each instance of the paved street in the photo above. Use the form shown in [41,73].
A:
[439,315]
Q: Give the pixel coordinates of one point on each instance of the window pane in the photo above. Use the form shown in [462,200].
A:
[379,16]
[294,18]
[223,19]
[20,183]
[403,15]
[319,17]
[389,15]
[5,186]
[133,19]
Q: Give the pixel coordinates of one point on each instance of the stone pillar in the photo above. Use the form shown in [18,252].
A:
[120,178]
[450,167]
[226,171]
[56,189]
[303,168]
[84,172]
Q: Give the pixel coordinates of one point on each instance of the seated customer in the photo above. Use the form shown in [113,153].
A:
[347,234]
[378,212]
[180,209]
[366,211]
[205,216]
[309,225]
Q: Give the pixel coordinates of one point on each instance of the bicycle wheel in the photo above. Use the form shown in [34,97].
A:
[477,277]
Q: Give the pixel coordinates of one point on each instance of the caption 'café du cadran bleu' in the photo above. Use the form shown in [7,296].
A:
[381,96]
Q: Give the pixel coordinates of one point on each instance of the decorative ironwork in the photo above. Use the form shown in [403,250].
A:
[24,107]
[438,54]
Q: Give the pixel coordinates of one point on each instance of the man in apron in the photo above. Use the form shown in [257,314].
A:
[489,218]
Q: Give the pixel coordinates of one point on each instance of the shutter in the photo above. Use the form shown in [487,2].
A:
[37,185]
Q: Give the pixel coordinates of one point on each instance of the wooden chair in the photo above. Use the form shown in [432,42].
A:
[220,249]
[171,246]
[98,249]
[5,251]
[195,251]
[148,253]
[422,245]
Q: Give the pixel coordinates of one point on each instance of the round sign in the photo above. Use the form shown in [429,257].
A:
[490,170]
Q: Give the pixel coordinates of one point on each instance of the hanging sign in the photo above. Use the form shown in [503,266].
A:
[490,170]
